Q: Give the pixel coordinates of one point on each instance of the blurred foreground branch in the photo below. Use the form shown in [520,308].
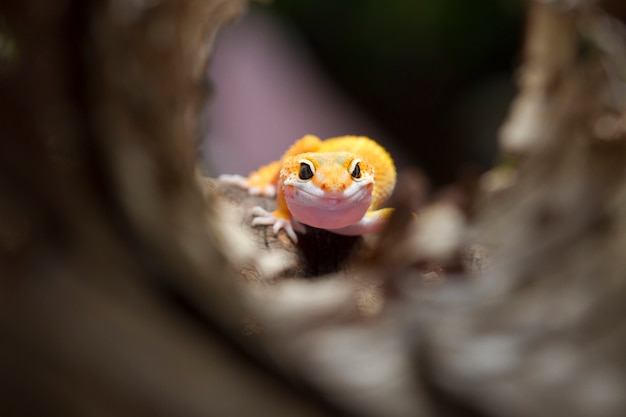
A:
[115,299]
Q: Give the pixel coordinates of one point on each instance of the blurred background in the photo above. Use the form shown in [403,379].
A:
[430,79]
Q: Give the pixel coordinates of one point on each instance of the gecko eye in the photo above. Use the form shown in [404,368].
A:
[356,169]
[306,170]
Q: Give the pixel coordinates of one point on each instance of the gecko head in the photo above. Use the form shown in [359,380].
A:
[328,190]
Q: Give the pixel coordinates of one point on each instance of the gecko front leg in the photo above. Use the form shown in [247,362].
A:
[263,217]
[261,182]
[254,188]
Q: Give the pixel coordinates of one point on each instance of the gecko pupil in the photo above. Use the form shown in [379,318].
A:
[306,173]
[356,172]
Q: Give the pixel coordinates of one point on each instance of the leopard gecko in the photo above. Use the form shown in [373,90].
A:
[338,184]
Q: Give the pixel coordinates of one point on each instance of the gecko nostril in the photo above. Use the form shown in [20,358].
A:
[333,187]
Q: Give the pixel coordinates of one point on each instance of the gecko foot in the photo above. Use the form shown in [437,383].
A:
[263,217]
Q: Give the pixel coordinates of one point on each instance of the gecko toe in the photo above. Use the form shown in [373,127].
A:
[287,227]
[263,217]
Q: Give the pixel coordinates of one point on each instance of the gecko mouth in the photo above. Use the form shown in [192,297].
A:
[328,212]
[320,199]
[328,217]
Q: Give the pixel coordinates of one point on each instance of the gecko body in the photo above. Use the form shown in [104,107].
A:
[338,184]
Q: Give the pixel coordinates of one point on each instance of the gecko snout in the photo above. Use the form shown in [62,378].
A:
[333,187]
